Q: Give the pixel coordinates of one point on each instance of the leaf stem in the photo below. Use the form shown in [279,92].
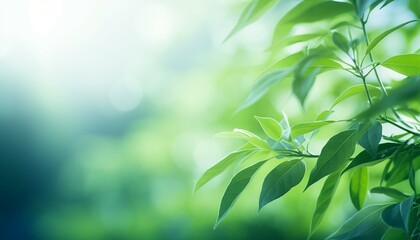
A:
[399,126]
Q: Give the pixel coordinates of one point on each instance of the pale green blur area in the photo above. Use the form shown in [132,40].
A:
[108,111]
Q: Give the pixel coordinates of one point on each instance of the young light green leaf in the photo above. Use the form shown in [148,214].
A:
[326,64]
[360,223]
[359,187]
[390,192]
[407,64]
[334,155]
[354,90]
[254,10]
[263,84]
[394,233]
[304,128]
[341,42]
[238,183]
[324,200]
[366,159]
[381,36]
[271,127]
[280,180]
[250,137]
[221,166]
[370,140]
[397,215]
[407,91]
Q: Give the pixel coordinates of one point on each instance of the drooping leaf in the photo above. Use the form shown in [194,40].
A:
[221,166]
[407,64]
[381,36]
[238,183]
[366,159]
[254,10]
[341,42]
[324,200]
[395,233]
[305,77]
[271,127]
[407,91]
[363,5]
[285,125]
[359,187]
[303,128]
[397,215]
[334,154]
[370,140]
[360,223]
[354,90]
[390,192]
[317,12]
[280,180]
[263,84]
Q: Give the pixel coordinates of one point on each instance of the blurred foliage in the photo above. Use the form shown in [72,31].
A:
[107,119]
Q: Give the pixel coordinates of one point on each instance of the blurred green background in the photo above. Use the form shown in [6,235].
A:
[108,111]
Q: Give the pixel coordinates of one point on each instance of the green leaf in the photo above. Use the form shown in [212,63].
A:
[390,192]
[393,234]
[354,90]
[407,64]
[221,166]
[254,10]
[303,128]
[408,90]
[271,127]
[250,137]
[324,200]
[381,36]
[334,155]
[280,180]
[370,140]
[414,6]
[359,187]
[263,84]
[326,64]
[321,11]
[366,159]
[341,42]
[401,166]
[305,77]
[238,183]
[360,223]
[397,215]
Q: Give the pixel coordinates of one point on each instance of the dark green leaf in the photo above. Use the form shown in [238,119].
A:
[280,180]
[360,223]
[407,91]
[238,183]
[381,36]
[341,42]
[334,155]
[263,84]
[357,89]
[359,187]
[254,10]
[305,77]
[394,234]
[271,127]
[401,166]
[370,140]
[407,64]
[397,215]
[390,192]
[365,159]
[324,200]
[221,166]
